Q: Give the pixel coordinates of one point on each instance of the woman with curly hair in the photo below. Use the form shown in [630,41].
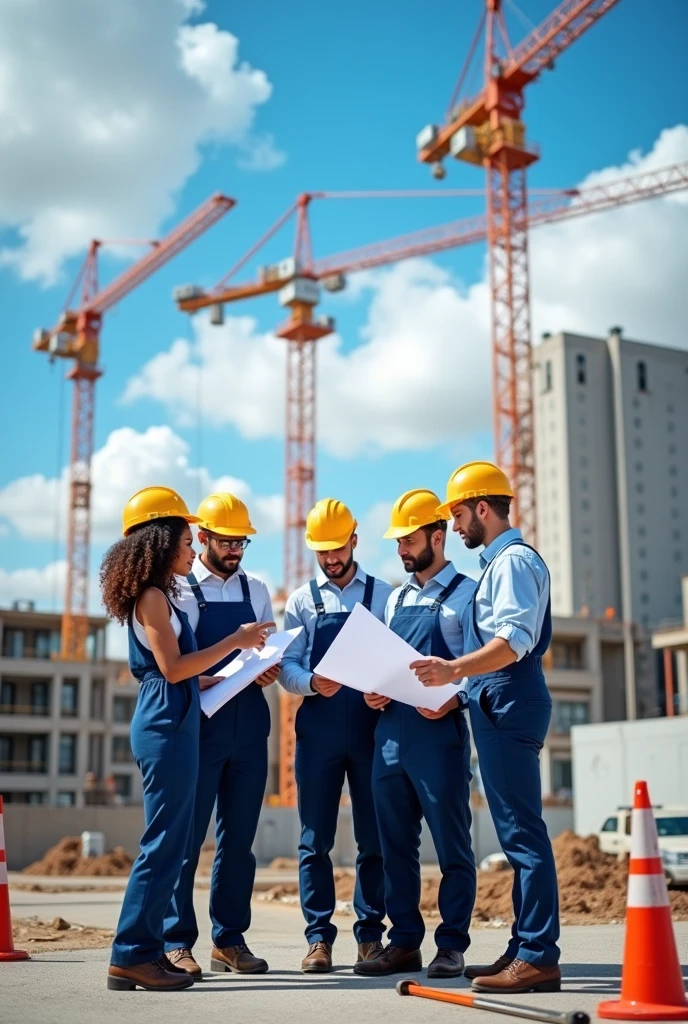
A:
[137,578]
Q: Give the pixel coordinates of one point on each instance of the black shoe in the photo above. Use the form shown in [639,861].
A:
[448,963]
[488,970]
[392,960]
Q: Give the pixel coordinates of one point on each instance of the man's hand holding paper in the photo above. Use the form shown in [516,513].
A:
[369,657]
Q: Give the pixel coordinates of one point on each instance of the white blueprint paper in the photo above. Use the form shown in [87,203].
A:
[244,669]
[368,656]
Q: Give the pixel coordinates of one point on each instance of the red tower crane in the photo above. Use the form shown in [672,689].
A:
[76,336]
[488,130]
[298,279]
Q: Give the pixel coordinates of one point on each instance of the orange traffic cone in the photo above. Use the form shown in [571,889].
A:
[651,985]
[7,950]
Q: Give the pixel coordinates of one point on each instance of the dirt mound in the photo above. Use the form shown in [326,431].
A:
[65,859]
[284,864]
[592,887]
[36,936]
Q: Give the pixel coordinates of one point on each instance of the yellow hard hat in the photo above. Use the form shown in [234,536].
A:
[329,525]
[224,514]
[475,480]
[411,511]
[154,503]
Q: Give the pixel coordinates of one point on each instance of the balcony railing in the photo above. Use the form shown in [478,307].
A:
[25,709]
[26,767]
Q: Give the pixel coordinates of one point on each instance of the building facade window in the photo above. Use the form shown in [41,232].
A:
[69,698]
[40,698]
[37,749]
[562,777]
[568,713]
[13,643]
[7,697]
[567,654]
[67,754]
[98,700]
[122,786]
[121,750]
[123,709]
[548,375]
[581,369]
[65,798]
[641,375]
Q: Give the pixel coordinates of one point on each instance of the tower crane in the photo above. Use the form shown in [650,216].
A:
[76,337]
[487,130]
[298,279]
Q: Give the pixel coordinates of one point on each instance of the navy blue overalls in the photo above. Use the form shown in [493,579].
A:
[164,741]
[233,770]
[422,769]
[510,715]
[334,738]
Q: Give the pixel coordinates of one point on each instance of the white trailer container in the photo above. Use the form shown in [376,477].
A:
[609,758]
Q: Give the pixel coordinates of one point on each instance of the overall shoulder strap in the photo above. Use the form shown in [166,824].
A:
[402,596]
[368,592]
[317,598]
[246,593]
[448,590]
[197,592]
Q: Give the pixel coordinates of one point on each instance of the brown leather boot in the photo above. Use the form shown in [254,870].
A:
[238,960]
[152,976]
[520,976]
[369,950]
[182,959]
[488,970]
[318,959]
[392,960]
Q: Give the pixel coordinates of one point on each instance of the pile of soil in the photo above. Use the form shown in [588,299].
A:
[65,859]
[592,888]
[36,936]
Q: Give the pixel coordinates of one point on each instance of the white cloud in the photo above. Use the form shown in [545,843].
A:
[127,462]
[45,586]
[104,110]
[421,372]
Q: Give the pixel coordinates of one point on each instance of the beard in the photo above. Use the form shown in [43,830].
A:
[474,533]
[336,570]
[420,562]
[226,565]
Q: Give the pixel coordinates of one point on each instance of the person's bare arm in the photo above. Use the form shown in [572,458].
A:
[153,612]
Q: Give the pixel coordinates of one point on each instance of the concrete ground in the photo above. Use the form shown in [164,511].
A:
[69,988]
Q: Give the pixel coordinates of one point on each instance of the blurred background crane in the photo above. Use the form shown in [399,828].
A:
[76,337]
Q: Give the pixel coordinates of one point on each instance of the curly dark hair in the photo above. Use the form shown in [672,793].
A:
[143,559]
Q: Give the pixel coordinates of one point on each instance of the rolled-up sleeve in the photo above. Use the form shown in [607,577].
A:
[515,602]
[295,675]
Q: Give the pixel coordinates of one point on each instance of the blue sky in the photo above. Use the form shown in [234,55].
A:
[350,89]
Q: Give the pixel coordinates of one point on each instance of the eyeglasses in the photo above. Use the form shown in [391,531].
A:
[230,545]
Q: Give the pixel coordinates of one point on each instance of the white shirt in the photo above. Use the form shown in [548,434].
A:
[216,588]
[513,596]
[300,611]
[451,610]
[140,632]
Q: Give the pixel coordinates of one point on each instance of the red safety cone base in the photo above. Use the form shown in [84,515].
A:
[15,954]
[622,1009]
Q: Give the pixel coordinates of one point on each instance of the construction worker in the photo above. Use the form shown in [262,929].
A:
[137,580]
[334,738]
[218,596]
[507,628]
[422,758]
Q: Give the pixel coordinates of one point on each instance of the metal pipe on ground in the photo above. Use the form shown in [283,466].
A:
[409,987]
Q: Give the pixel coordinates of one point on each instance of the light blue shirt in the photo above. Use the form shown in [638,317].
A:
[512,598]
[296,675]
[451,610]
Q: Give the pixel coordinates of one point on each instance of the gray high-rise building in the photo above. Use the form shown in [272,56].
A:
[611,443]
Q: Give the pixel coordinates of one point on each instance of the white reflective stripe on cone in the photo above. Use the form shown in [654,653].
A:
[3,872]
[644,834]
[2,834]
[647,891]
